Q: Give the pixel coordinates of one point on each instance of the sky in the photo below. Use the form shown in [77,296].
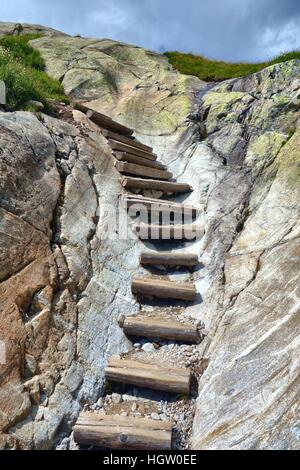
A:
[233,30]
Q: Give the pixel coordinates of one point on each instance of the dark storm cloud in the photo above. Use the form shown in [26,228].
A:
[224,29]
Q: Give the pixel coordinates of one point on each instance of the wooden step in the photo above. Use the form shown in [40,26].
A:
[160,205]
[130,158]
[119,432]
[125,140]
[118,146]
[152,327]
[167,232]
[154,376]
[164,186]
[102,120]
[161,289]
[138,170]
[168,258]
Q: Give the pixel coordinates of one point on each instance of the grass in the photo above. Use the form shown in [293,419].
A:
[22,69]
[214,70]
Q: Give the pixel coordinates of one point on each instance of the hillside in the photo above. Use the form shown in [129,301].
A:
[215,70]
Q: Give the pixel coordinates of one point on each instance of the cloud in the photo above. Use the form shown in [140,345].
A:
[224,29]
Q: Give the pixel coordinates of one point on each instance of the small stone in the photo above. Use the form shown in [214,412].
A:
[148,347]
[163,417]
[36,104]
[30,365]
[155,416]
[64,445]
[142,408]
[33,387]
[193,359]
[137,345]
[134,407]
[100,402]
[94,407]
[72,443]
[124,413]
[128,397]
[116,398]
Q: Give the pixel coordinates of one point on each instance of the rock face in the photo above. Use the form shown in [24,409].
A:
[30,186]
[10,28]
[249,395]
[64,284]
[128,83]
[62,281]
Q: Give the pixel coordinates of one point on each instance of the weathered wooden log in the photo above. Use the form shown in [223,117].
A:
[132,169]
[188,232]
[119,432]
[155,376]
[159,288]
[118,146]
[102,120]
[151,327]
[160,205]
[169,259]
[125,140]
[131,158]
[164,186]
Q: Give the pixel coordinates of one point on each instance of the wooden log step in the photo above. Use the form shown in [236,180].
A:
[151,327]
[161,289]
[164,186]
[168,258]
[154,376]
[126,140]
[160,205]
[130,149]
[167,232]
[130,158]
[102,120]
[138,170]
[119,432]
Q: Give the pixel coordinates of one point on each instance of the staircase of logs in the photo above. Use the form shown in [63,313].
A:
[142,173]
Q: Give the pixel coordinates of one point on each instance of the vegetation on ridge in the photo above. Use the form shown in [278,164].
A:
[215,70]
[22,69]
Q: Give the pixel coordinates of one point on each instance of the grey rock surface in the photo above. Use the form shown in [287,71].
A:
[64,284]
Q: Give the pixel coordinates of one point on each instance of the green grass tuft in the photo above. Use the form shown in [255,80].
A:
[214,70]
[20,50]
[22,69]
